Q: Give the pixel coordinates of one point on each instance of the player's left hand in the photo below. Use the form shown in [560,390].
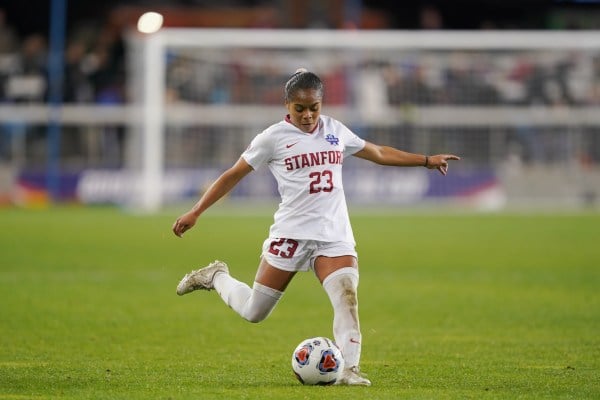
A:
[440,162]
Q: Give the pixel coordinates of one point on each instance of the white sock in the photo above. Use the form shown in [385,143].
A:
[341,287]
[253,304]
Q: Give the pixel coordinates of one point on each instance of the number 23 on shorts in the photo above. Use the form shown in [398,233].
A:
[284,248]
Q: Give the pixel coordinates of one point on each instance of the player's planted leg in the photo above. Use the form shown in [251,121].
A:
[341,287]
[353,377]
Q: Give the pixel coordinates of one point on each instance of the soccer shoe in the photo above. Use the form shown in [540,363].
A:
[201,278]
[352,377]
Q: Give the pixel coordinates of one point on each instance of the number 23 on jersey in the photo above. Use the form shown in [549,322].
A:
[321,181]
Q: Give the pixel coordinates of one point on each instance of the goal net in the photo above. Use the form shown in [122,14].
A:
[520,108]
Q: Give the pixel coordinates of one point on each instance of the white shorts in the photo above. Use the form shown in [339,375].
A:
[300,255]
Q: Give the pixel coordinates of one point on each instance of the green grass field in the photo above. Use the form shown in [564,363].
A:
[460,306]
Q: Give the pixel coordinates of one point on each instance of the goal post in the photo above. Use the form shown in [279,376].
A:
[200,95]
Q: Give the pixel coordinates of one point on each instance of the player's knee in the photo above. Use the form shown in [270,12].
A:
[342,288]
[255,319]
[260,304]
[256,316]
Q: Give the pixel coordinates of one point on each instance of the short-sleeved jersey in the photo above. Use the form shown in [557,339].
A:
[308,170]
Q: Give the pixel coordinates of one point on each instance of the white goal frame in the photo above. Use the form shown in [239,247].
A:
[149,91]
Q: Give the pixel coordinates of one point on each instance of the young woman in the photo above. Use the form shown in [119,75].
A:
[311,229]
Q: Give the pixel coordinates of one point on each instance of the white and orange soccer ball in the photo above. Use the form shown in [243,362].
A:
[317,361]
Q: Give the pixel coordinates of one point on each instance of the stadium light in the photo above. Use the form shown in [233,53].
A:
[150,22]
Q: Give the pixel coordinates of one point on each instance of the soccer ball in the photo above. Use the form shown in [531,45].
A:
[317,361]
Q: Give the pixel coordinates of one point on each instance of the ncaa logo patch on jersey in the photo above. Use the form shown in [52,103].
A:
[334,141]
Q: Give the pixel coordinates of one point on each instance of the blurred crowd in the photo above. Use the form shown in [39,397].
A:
[93,66]
[95,73]
[487,78]
[95,59]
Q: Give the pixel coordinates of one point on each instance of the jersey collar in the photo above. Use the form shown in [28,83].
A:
[288,119]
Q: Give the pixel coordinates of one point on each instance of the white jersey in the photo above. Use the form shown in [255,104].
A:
[308,170]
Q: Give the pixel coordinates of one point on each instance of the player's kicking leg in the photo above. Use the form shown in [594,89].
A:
[254,304]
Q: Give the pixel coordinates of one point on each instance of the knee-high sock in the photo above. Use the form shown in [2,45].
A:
[253,304]
[341,287]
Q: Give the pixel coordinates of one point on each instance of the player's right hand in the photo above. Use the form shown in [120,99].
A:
[183,224]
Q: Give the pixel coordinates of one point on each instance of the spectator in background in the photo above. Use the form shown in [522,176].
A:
[430,17]
[77,87]
[594,90]
[34,55]
[535,86]
[9,41]
[562,72]
[408,86]
[108,76]
[9,46]
[25,78]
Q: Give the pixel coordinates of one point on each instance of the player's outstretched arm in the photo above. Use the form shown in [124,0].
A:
[218,189]
[385,155]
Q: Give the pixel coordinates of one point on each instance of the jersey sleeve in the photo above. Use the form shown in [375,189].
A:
[352,143]
[259,152]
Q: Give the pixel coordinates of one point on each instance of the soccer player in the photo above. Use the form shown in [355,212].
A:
[311,229]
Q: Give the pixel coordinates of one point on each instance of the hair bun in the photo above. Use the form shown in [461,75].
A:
[299,70]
